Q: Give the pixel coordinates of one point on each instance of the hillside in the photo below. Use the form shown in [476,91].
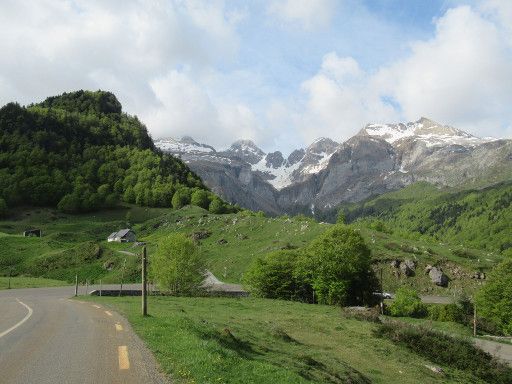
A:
[76,244]
[478,218]
[79,152]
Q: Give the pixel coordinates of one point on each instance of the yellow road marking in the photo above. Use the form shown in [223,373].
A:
[96,306]
[124,362]
[119,327]
[108,313]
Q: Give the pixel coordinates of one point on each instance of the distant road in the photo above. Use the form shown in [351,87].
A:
[45,338]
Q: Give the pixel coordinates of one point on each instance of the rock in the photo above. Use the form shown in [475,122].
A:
[222,241]
[434,369]
[200,235]
[438,277]
[478,276]
[411,264]
[395,263]
[405,269]
[427,269]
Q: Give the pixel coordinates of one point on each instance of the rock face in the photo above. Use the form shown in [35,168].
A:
[380,158]
[438,277]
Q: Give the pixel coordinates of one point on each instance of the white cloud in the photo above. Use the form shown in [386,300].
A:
[306,13]
[462,76]
[340,98]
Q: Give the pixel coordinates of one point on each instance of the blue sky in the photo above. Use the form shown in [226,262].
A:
[279,72]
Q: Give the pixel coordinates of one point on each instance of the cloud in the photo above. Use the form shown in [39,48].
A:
[304,13]
[339,99]
[461,76]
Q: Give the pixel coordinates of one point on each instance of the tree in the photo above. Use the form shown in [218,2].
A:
[3,207]
[341,219]
[216,206]
[494,300]
[407,303]
[337,264]
[200,198]
[180,198]
[177,266]
[272,276]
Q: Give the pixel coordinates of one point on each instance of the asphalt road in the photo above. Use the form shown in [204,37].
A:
[46,338]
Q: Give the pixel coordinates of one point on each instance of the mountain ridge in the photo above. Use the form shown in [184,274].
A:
[378,159]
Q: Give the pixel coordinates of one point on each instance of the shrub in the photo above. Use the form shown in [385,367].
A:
[177,266]
[216,206]
[181,198]
[407,303]
[3,208]
[494,300]
[447,350]
[272,276]
[447,312]
[337,264]
[200,198]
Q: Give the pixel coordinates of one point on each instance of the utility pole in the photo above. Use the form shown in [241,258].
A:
[122,277]
[144,283]
[76,285]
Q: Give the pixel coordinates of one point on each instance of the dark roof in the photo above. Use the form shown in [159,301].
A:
[123,232]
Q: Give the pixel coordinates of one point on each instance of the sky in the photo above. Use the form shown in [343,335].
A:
[279,72]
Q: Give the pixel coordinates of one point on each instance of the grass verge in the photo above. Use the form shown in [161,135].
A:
[221,340]
[30,282]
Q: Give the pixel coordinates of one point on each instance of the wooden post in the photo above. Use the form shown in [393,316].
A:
[76,285]
[381,294]
[86,287]
[122,277]
[144,283]
[474,319]
[101,287]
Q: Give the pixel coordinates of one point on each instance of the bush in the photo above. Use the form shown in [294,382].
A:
[3,208]
[200,198]
[446,350]
[272,276]
[177,266]
[494,300]
[407,303]
[216,206]
[337,264]
[447,312]
[181,198]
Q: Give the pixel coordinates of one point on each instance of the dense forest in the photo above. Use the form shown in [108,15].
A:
[79,152]
[476,218]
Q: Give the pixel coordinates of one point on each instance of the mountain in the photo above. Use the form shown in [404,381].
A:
[79,152]
[378,159]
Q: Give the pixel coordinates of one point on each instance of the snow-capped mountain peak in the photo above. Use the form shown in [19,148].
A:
[185,145]
[424,130]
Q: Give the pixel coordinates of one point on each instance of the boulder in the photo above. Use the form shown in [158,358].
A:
[395,263]
[427,269]
[438,277]
[407,267]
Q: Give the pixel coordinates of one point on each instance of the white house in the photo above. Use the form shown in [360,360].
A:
[122,236]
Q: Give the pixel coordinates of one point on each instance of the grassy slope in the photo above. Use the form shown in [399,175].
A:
[475,218]
[217,340]
[29,282]
[70,245]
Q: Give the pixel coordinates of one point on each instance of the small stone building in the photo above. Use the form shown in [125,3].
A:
[123,236]
[33,233]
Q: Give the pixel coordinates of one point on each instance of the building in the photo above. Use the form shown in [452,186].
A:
[122,236]
[33,233]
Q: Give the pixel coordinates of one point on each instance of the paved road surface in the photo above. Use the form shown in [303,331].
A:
[500,350]
[45,338]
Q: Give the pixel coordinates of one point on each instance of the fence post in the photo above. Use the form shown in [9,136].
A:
[76,285]
[144,283]
[474,319]
[101,287]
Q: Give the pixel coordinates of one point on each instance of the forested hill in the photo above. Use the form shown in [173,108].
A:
[478,218]
[80,152]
